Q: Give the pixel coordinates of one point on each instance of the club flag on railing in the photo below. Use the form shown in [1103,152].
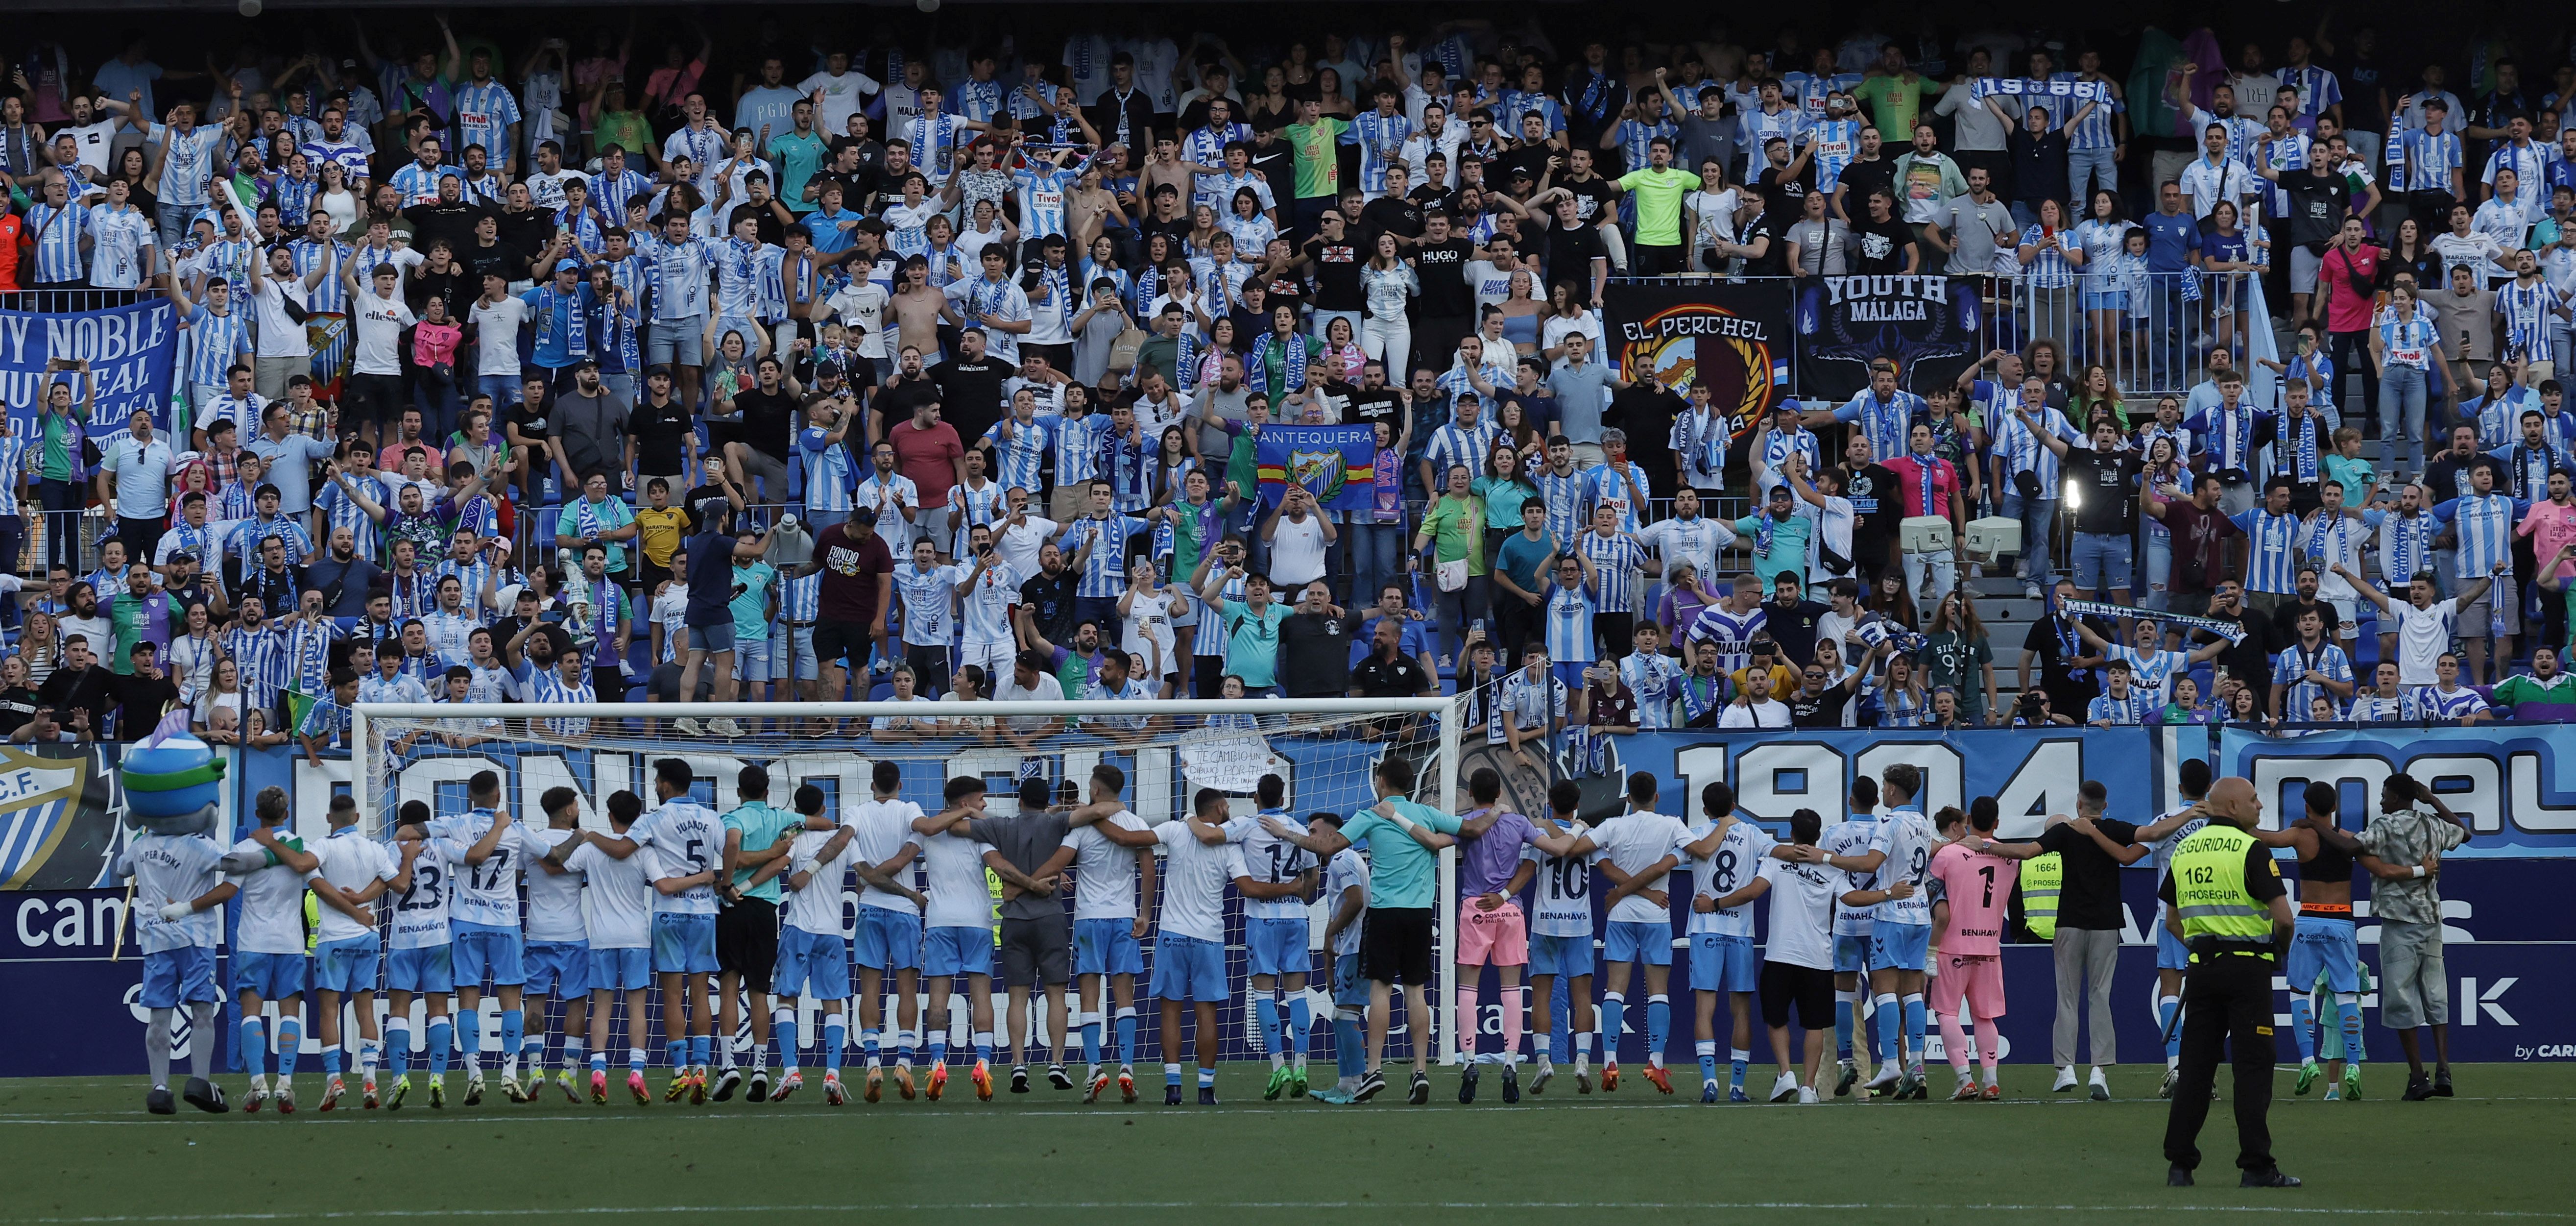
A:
[1337,464]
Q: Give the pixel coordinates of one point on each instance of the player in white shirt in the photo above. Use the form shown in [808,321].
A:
[1901,928]
[270,867]
[1275,933]
[558,951]
[957,932]
[348,953]
[1560,924]
[1637,850]
[418,961]
[686,841]
[813,955]
[1851,930]
[889,934]
[1345,893]
[178,884]
[1189,943]
[1108,926]
[1725,854]
[1798,956]
[619,932]
[484,922]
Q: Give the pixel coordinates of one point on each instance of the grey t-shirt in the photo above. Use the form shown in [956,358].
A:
[1579,398]
[1215,443]
[1972,228]
[1703,139]
[1820,246]
[1027,841]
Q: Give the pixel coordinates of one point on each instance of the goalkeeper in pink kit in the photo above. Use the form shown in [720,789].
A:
[1971,887]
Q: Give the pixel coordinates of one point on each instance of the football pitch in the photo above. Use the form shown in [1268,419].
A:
[81,1150]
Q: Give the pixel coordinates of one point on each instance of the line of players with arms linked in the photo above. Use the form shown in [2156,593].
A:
[753,900]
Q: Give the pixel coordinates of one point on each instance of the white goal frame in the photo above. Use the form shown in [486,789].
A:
[1448,712]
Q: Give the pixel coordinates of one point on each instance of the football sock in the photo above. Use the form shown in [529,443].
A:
[784,1030]
[370,1055]
[469,1039]
[983,1040]
[1171,1073]
[2166,1008]
[599,1060]
[905,1043]
[677,1052]
[331,1060]
[2348,1009]
[1954,1041]
[1990,1045]
[1348,1059]
[1891,1027]
[701,1046]
[156,1046]
[1301,1018]
[939,1046]
[514,1029]
[1560,1020]
[1614,1012]
[870,1046]
[1913,1003]
[254,1046]
[290,1045]
[1127,1036]
[1736,1059]
[1207,1078]
[1265,1015]
[1091,1039]
[1846,1004]
[1659,1027]
[836,1036]
[442,1041]
[1583,1048]
[1465,1017]
[635,1057]
[2303,1027]
[201,1039]
[572,1056]
[1707,1049]
[398,1040]
[1511,1028]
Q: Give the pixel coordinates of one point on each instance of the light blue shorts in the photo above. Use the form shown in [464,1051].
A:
[487,950]
[1895,946]
[426,969]
[1722,963]
[1107,947]
[559,969]
[1350,989]
[2171,953]
[684,944]
[2323,945]
[811,964]
[1566,956]
[1277,946]
[348,966]
[957,951]
[1187,968]
[173,977]
[1851,953]
[1633,941]
[269,976]
[889,940]
[678,341]
[626,969]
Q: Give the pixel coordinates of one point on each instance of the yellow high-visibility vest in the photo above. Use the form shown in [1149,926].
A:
[2040,879]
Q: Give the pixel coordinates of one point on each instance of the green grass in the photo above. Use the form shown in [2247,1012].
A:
[82,1150]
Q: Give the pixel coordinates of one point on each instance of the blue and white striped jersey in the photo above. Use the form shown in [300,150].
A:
[1104,571]
[2017,450]
[2096,130]
[829,472]
[2295,662]
[1568,511]
[57,234]
[339,510]
[2485,526]
[2120,712]
[260,656]
[328,297]
[116,261]
[1615,560]
[2426,161]
[987,618]
[1569,625]
[1626,493]
[484,113]
[1732,632]
[213,342]
[1453,444]
[2272,552]
[1884,423]
[1381,140]
[2533,311]
[1022,456]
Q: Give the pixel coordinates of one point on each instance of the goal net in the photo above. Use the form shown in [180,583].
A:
[1322,750]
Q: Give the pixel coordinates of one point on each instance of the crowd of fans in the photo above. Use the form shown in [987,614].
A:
[778,365]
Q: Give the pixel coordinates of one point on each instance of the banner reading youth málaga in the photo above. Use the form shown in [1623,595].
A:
[130,349]
[1927,325]
[1733,336]
[1337,464]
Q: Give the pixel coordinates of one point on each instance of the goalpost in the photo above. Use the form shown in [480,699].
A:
[1323,749]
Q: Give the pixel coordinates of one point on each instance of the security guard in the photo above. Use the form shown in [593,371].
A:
[2224,898]
[2041,877]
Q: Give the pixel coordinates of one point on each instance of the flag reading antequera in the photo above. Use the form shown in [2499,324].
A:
[1337,464]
